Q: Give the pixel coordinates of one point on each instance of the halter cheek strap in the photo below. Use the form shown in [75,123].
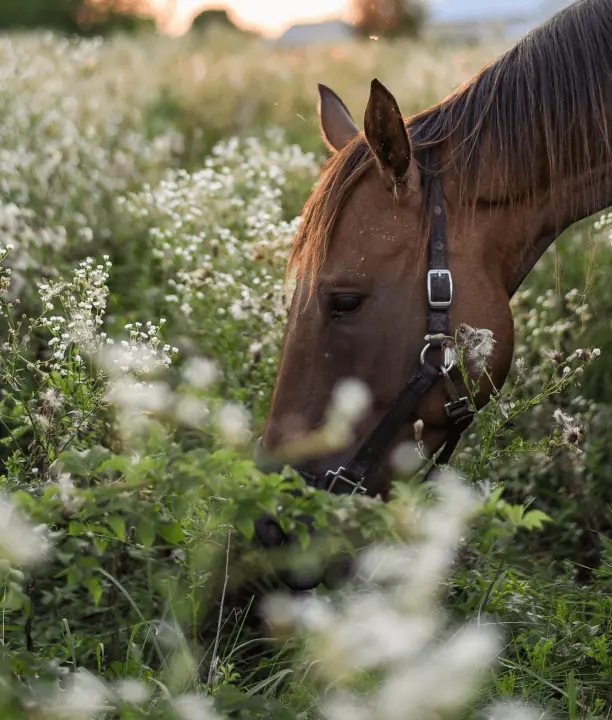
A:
[358,475]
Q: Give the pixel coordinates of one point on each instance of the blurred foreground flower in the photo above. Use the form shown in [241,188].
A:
[234,424]
[21,542]
[392,625]
[200,372]
[195,707]
[85,696]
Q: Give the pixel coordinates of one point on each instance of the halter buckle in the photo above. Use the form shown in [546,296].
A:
[439,275]
[336,475]
[458,409]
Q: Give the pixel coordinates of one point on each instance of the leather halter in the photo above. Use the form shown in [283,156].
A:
[357,475]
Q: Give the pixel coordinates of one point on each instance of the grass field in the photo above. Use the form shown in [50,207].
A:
[149,193]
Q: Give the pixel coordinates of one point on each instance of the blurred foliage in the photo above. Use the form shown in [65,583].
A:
[209,19]
[72,16]
[392,18]
[241,85]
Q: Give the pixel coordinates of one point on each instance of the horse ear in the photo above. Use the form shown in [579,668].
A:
[386,132]
[337,126]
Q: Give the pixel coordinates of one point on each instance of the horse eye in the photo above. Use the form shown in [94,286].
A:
[344,304]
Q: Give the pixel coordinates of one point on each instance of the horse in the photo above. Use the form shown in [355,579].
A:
[421,225]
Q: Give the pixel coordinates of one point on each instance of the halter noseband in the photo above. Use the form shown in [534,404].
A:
[356,476]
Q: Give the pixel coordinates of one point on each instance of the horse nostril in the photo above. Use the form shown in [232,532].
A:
[338,571]
[269,532]
[301,581]
[265,462]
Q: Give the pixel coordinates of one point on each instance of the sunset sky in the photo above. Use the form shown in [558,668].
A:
[269,16]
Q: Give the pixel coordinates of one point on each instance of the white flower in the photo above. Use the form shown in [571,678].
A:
[83,697]
[200,372]
[351,398]
[195,707]
[513,711]
[407,458]
[191,411]
[140,397]
[234,424]
[390,624]
[20,542]
[572,432]
[66,487]
[131,691]
[444,679]
[477,345]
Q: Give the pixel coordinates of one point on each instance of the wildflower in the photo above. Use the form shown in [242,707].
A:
[391,625]
[84,696]
[585,354]
[195,707]
[513,711]
[506,405]
[444,679]
[136,396]
[418,430]
[571,432]
[407,457]
[234,422]
[477,345]
[200,372]
[351,399]
[52,398]
[20,542]
[132,691]
[191,412]
[555,355]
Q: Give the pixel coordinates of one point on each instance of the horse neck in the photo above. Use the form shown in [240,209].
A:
[579,197]
[557,208]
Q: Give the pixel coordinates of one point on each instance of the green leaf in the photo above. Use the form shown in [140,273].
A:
[14,598]
[76,528]
[117,523]
[514,513]
[534,519]
[100,544]
[73,463]
[94,586]
[95,456]
[172,532]
[246,526]
[146,533]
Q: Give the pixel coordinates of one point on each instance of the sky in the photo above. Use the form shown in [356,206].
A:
[269,16]
[272,17]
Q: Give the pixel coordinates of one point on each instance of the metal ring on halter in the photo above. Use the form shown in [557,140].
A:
[449,358]
[424,352]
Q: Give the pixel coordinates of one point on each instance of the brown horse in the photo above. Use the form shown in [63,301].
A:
[487,179]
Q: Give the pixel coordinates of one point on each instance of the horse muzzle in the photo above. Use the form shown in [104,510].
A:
[306,575]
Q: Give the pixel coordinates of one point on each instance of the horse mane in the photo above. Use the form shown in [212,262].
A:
[541,110]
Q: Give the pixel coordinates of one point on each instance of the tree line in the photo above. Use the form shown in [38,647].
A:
[370,17]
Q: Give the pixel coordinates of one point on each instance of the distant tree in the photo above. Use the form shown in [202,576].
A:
[73,16]
[214,18]
[388,17]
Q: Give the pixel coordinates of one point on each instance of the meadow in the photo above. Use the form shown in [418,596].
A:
[150,189]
